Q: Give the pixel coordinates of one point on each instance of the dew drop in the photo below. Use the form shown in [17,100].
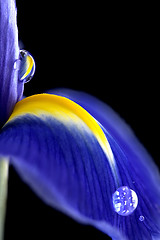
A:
[27,66]
[125,201]
[141,218]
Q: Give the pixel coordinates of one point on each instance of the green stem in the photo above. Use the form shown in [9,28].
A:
[4,165]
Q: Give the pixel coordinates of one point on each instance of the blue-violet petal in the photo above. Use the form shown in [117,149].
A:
[76,164]
[10,88]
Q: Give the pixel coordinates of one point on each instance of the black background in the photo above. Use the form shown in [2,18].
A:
[108,53]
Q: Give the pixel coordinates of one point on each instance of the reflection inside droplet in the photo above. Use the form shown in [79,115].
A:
[26,66]
[125,201]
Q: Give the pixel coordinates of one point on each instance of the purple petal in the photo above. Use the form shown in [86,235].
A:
[10,89]
[118,129]
[139,167]
[64,162]
[61,159]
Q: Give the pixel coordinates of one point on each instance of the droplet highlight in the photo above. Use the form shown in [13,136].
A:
[17,65]
[27,66]
[125,201]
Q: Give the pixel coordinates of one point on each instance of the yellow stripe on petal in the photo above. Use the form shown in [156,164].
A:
[64,110]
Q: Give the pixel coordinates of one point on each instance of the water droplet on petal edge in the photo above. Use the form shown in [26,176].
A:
[27,66]
[125,201]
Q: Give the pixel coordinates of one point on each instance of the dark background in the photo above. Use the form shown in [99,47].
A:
[108,53]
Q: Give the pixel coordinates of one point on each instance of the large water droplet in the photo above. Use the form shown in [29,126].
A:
[125,201]
[27,66]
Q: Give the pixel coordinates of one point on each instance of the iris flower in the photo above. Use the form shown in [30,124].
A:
[74,151]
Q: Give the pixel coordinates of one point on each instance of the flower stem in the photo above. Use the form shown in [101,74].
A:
[4,165]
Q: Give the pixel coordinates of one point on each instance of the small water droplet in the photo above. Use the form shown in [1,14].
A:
[27,66]
[141,218]
[125,201]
